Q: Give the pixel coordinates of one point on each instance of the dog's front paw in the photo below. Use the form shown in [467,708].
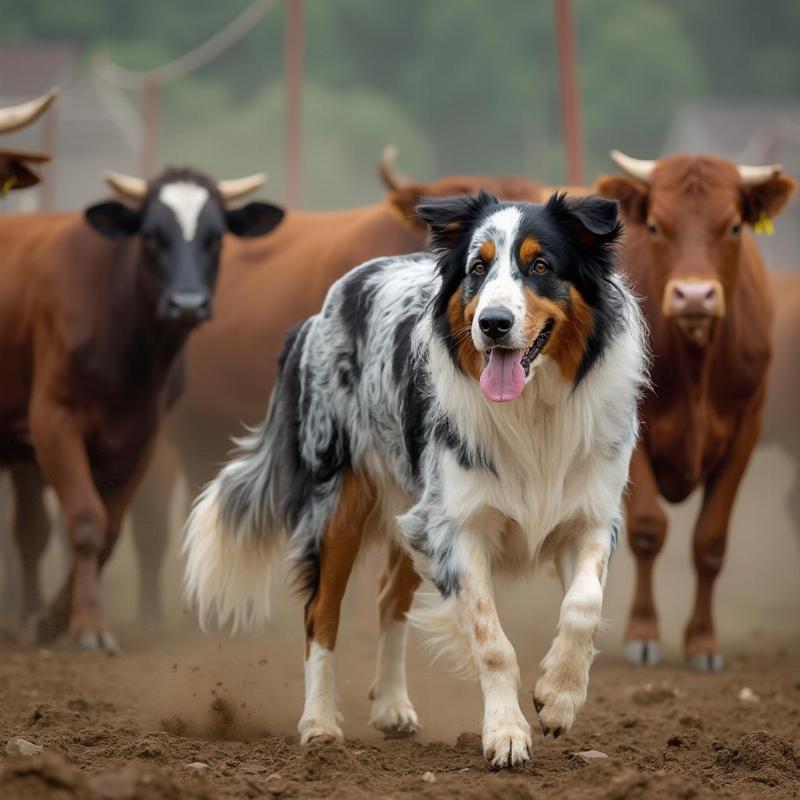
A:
[310,728]
[507,741]
[393,714]
[558,701]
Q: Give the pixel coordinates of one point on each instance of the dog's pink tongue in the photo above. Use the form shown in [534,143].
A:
[503,378]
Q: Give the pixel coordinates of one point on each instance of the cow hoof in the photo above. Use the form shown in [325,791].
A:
[98,640]
[706,662]
[643,652]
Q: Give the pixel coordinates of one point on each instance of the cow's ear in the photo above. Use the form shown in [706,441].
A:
[403,203]
[113,219]
[631,194]
[767,199]
[15,174]
[254,219]
[449,218]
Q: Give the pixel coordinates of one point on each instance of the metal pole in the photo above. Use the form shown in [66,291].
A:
[570,99]
[149,153]
[293,124]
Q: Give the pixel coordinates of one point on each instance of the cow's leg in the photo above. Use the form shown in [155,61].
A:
[61,454]
[794,497]
[392,711]
[338,549]
[710,537]
[149,513]
[647,531]
[31,531]
[560,692]
[11,587]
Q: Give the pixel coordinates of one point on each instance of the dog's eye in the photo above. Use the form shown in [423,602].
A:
[652,228]
[736,228]
[478,267]
[539,266]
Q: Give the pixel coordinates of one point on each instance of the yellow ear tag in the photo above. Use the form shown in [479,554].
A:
[764,225]
[8,185]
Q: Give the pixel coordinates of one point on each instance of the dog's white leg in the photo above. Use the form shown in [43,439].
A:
[320,717]
[392,711]
[561,690]
[506,732]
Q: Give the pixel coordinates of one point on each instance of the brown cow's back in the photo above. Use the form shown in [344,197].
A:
[782,418]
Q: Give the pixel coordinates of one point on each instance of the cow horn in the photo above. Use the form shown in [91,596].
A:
[634,167]
[755,176]
[387,171]
[15,117]
[239,187]
[126,185]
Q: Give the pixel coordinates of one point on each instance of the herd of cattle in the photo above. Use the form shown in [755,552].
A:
[100,337]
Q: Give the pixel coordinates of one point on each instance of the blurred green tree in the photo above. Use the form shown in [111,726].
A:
[459,85]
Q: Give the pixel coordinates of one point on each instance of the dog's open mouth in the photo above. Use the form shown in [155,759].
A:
[505,370]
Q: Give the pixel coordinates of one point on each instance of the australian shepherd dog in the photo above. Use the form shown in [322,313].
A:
[475,406]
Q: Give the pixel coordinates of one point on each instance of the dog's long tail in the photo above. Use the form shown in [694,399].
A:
[232,535]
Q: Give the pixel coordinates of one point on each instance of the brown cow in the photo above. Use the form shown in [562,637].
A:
[90,328]
[692,258]
[15,172]
[266,289]
[781,418]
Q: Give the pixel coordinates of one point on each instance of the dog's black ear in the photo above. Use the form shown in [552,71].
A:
[594,221]
[449,218]
[592,226]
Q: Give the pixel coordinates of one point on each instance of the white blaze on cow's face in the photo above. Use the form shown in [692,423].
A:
[186,200]
[502,293]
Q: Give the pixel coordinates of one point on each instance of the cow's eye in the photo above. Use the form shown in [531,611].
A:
[736,228]
[652,228]
[478,267]
[539,266]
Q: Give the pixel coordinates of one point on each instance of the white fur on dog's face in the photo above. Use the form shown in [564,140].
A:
[502,286]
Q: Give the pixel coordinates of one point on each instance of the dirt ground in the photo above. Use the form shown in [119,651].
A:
[130,727]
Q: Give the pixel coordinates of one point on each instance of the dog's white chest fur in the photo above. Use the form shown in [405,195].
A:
[559,456]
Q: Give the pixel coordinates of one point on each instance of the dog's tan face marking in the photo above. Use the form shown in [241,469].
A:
[528,249]
[573,323]
[487,251]
[460,318]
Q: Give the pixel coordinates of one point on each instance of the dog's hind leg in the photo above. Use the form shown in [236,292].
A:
[338,549]
[560,692]
[392,711]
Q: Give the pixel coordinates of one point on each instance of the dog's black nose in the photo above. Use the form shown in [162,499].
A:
[496,322]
